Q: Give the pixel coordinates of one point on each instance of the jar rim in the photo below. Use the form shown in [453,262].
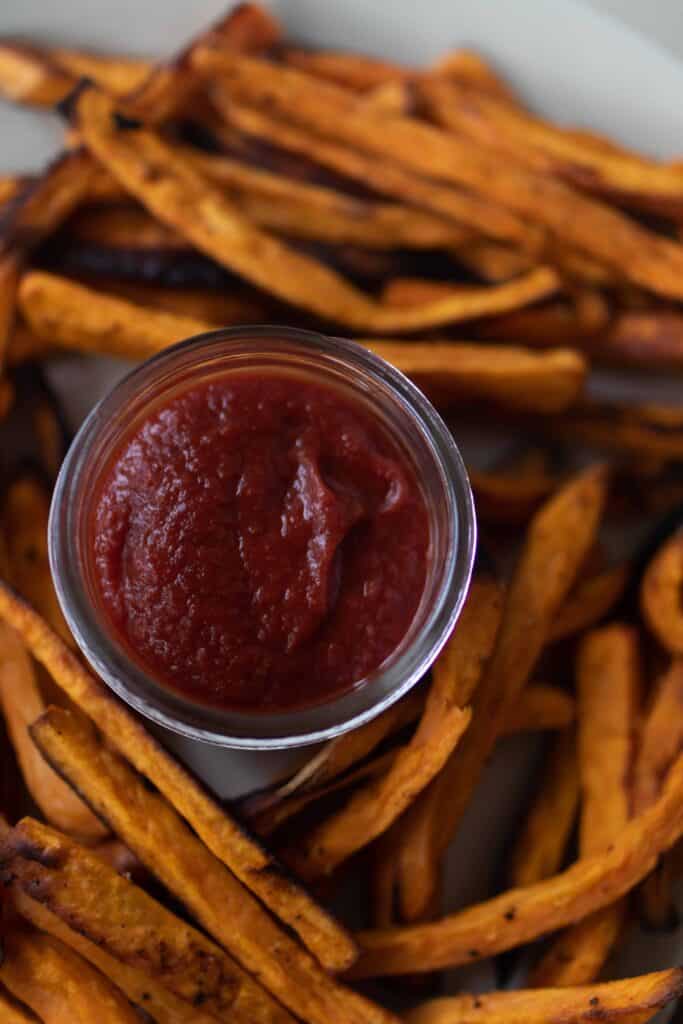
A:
[261,730]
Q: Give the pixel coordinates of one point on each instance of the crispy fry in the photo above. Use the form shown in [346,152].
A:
[171,189]
[257,869]
[661,594]
[157,835]
[30,77]
[583,223]
[471,69]
[540,709]
[492,261]
[58,984]
[117,74]
[541,844]
[73,316]
[661,738]
[353,70]
[576,321]
[392,97]
[608,685]
[22,703]
[630,999]
[625,177]
[13,1012]
[24,512]
[560,534]
[137,985]
[385,178]
[591,600]
[521,915]
[87,896]
[221,307]
[122,225]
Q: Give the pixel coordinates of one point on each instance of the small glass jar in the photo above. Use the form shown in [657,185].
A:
[415,427]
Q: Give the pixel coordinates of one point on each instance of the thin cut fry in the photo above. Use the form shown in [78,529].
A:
[22,703]
[257,869]
[591,600]
[630,999]
[59,985]
[522,915]
[661,594]
[24,513]
[583,223]
[153,830]
[13,1012]
[492,261]
[30,77]
[661,738]
[85,894]
[472,69]
[578,955]
[74,316]
[172,189]
[117,74]
[353,70]
[137,985]
[558,538]
[542,842]
[386,178]
[540,708]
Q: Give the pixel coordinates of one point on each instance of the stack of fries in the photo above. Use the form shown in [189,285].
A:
[248,181]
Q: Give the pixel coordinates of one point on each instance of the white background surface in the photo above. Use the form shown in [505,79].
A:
[568,60]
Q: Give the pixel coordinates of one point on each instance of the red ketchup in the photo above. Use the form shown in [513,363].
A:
[261,543]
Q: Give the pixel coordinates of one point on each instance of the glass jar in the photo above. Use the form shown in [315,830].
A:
[415,427]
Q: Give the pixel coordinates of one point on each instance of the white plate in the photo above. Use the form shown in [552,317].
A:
[568,61]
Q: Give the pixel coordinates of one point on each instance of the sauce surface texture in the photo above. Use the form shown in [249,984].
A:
[260,543]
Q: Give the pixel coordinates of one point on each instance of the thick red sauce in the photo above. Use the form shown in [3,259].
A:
[260,543]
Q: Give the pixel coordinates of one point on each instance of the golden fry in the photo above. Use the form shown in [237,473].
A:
[471,69]
[10,270]
[586,224]
[578,955]
[636,998]
[352,70]
[522,915]
[590,601]
[661,738]
[85,894]
[646,430]
[540,708]
[21,702]
[13,1012]
[154,831]
[59,985]
[215,307]
[28,76]
[509,496]
[122,225]
[541,844]
[661,594]
[230,843]
[117,75]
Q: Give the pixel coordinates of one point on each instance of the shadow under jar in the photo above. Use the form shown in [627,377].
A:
[262,537]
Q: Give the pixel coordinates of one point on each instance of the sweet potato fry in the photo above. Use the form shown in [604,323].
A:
[661,738]
[394,97]
[24,512]
[608,686]
[30,77]
[157,835]
[384,177]
[122,225]
[583,223]
[471,69]
[24,346]
[492,261]
[137,985]
[372,809]
[214,307]
[627,178]
[73,316]
[541,844]
[590,601]
[21,702]
[172,189]
[6,396]
[661,594]
[352,70]
[10,269]
[521,915]
[116,74]
[649,338]
[509,497]
[12,1011]
[59,985]
[75,887]
[630,999]
[257,869]
[558,538]
[643,429]
[540,708]
[574,321]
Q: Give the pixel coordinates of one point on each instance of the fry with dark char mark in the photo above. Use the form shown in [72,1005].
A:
[179,196]
[384,177]
[557,540]
[73,316]
[631,999]
[154,831]
[90,899]
[59,985]
[661,594]
[21,702]
[542,841]
[524,914]
[231,844]
[608,684]
[585,224]
[590,601]
[115,73]
[137,985]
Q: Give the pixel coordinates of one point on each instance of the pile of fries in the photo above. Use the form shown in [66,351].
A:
[251,180]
